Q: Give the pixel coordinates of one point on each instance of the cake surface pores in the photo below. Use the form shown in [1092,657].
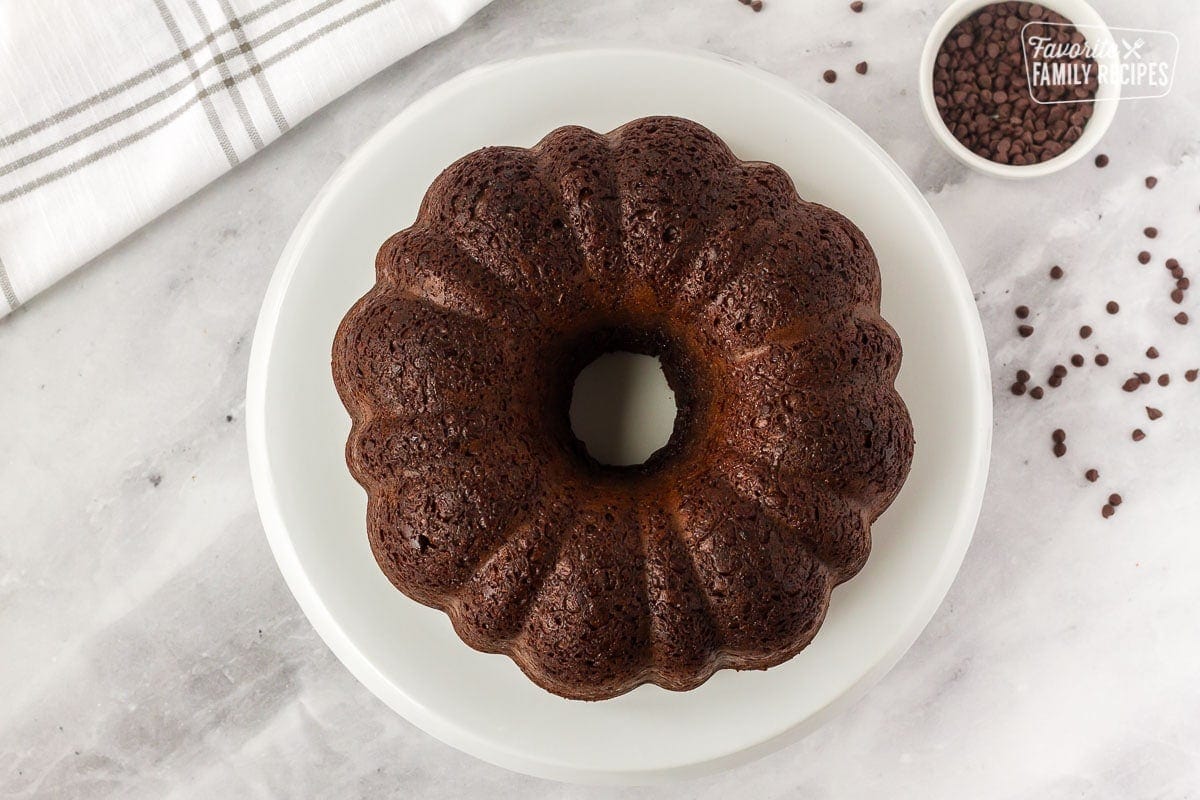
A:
[457,368]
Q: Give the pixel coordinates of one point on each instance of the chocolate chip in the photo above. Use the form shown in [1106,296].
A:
[861,68]
[1023,376]
[1077,360]
[1022,312]
[1114,499]
[1112,307]
[857,6]
[1150,232]
[1060,371]
[1183,283]
[1060,450]
[1144,257]
[1151,182]
[1153,413]
[1138,434]
[1085,331]
[1101,360]
[1056,272]
[1102,161]
[1164,379]
[829,75]
[1177,272]
[1152,352]
[1092,475]
[1054,381]
[1191,375]
[1143,377]
[1172,263]
[1177,295]
[1059,435]
[981,89]
[1025,330]
[1182,318]
[1018,388]
[1107,511]
[756,5]
[1131,385]
[1037,392]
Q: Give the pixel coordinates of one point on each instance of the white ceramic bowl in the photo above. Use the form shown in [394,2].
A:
[1107,96]
[407,654]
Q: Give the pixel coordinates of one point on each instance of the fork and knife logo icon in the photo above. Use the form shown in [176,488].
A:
[1132,50]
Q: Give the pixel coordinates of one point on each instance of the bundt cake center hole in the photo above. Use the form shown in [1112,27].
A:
[622,408]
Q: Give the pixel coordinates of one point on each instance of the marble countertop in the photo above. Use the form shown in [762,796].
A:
[151,648]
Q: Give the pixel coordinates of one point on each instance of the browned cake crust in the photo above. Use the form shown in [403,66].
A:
[457,367]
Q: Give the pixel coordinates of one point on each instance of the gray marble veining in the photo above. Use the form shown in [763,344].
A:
[151,649]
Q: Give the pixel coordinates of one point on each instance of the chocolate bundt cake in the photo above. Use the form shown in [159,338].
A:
[524,265]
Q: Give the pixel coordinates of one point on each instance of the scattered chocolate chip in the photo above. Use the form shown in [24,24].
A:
[1114,499]
[1143,377]
[1037,392]
[861,68]
[1164,379]
[1056,272]
[1085,331]
[1101,360]
[1092,475]
[1172,263]
[1025,330]
[1150,232]
[756,5]
[1102,161]
[1060,450]
[1191,375]
[1177,295]
[1054,381]
[1112,307]
[1077,360]
[1107,511]
[1182,318]
[1138,434]
[829,75]
[857,6]
[1060,370]
[1153,413]
[1018,388]
[1144,257]
[1023,376]
[1183,283]
[1152,352]
[1151,182]
[1131,385]
[1059,435]
[1022,312]
[1177,272]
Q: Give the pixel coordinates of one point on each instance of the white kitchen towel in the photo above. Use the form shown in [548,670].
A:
[112,111]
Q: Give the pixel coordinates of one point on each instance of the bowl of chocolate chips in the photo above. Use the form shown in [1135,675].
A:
[1019,90]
